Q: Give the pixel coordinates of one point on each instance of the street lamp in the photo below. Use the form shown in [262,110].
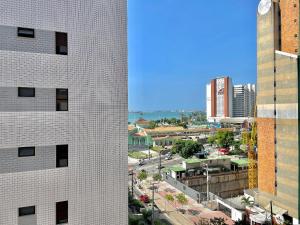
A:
[207,179]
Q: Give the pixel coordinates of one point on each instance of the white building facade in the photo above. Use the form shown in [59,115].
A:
[63,112]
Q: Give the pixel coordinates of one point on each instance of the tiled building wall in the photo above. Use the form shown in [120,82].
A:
[290,25]
[287,132]
[95,127]
[45,158]
[44,100]
[43,42]
[265,101]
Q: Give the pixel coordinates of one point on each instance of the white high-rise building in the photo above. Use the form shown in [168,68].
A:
[63,112]
[243,100]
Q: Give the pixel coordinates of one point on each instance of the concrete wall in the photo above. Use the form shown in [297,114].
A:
[224,185]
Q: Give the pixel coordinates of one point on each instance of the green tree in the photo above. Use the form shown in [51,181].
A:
[181,199]
[157,177]
[211,139]
[152,124]
[146,214]
[224,139]
[186,149]
[142,175]
[217,221]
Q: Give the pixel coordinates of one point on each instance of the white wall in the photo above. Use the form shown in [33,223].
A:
[208,101]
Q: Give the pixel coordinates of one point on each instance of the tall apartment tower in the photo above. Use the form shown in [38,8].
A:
[243,100]
[277,105]
[219,98]
[63,112]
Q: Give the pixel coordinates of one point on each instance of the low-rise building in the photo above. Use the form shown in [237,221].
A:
[227,177]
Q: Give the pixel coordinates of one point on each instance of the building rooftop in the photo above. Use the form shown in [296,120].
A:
[196,160]
[177,168]
[240,162]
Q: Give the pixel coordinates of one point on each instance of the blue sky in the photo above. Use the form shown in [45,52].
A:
[176,46]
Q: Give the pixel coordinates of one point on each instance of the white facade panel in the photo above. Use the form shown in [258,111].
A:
[95,127]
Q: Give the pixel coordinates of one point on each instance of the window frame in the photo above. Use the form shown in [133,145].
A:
[62,99]
[67,153]
[24,148]
[65,220]
[27,35]
[26,214]
[24,96]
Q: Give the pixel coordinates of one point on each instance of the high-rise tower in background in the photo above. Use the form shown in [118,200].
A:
[63,112]
[277,105]
[219,98]
[243,100]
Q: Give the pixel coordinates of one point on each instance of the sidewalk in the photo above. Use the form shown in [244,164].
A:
[194,211]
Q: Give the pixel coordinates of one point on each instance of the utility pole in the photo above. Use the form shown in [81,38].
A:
[159,164]
[271,206]
[207,179]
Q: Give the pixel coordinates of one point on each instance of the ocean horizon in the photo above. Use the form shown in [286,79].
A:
[157,115]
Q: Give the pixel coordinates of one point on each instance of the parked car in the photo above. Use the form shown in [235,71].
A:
[144,198]
[224,151]
[141,162]
[168,156]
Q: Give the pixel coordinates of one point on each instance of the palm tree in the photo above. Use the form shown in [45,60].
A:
[169,198]
[246,201]
[181,199]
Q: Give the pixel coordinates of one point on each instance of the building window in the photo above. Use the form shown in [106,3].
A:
[296,50]
[26,211]
[61,99]
[26,92]
[61,155]
[296,35]
[62,212]
[295,5]
[61,43]
[26,151]
[25,32]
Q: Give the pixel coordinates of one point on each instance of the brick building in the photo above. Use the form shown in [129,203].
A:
[277,105]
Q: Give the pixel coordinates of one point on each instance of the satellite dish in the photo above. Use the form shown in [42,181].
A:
[279,219]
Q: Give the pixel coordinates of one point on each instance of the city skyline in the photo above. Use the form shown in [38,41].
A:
[171,44]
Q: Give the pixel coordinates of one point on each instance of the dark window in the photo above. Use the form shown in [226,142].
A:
[26,151]
[296,35]
[295,5]
[61,155]
[26,92]
[61,99]
[25,32]
[61,43]
[61,212]
[25,211]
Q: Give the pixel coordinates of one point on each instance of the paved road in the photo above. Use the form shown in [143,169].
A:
[151,166]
